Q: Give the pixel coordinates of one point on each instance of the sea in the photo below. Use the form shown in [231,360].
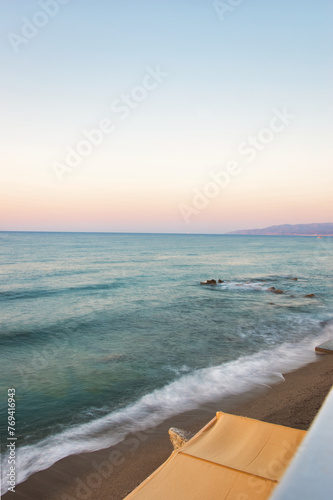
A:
[103,334]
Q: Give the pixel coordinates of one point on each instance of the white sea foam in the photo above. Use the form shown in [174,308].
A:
[189,392]
[178,370]
[244,285]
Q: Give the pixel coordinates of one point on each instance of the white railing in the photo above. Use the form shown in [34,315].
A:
[310,474]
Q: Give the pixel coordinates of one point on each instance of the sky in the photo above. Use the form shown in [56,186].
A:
[185,116]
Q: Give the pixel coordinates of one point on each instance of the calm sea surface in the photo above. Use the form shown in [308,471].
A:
[102,333]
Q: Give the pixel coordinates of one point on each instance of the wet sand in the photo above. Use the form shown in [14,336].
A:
[112,473]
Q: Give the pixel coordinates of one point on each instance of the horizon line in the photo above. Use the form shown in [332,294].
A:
[232,233]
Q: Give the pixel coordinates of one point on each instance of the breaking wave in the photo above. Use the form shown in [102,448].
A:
[191,391]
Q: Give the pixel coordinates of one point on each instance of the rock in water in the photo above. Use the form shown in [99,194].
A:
[274,290]
[179,437]
[310,296]
[208,282]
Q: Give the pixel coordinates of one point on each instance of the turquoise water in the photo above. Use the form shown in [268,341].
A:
[101,330]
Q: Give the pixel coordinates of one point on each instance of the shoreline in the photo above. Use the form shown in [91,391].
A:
[113,472]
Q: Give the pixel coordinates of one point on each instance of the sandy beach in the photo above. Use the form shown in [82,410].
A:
[113,472]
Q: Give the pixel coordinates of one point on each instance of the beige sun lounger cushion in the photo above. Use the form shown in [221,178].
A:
[232,458]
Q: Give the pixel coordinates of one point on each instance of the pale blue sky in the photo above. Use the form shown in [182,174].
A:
[225,77]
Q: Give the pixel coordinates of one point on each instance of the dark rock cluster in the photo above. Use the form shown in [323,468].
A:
[211,282]
[272,289]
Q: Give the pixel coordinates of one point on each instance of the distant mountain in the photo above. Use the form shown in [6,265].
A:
[325,229]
